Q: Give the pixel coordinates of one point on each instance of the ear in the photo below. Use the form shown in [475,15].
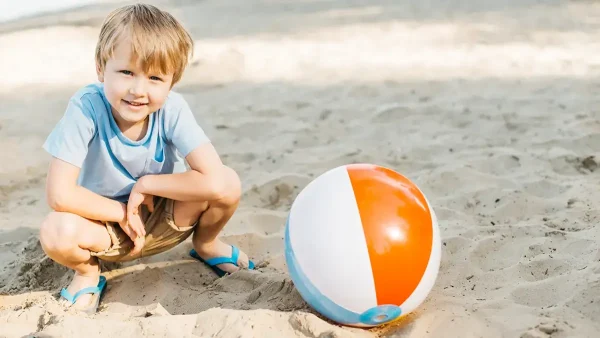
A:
[100,73]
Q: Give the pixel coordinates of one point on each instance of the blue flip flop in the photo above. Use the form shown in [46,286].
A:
[97,290]
[213,262]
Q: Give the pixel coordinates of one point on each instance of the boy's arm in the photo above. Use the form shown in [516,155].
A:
[64,195]
[205,182]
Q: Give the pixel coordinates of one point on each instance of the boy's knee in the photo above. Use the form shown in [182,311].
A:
[58,231]
[233,193]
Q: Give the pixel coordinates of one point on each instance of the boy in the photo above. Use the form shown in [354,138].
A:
[117,181]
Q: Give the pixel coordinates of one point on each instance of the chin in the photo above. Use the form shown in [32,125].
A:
[132,117]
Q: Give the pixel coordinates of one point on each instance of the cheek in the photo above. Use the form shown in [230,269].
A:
[115,89]
[158,95]
[111,95]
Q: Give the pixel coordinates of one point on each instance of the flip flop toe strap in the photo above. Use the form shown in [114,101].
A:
[235,253]
[92,289]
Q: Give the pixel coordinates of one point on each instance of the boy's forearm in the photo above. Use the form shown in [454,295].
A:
[85,203]
[187,186]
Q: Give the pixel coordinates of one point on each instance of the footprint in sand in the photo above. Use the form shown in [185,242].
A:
[578,252]
[547,292]
[277,193]
[543,269]
[499,252]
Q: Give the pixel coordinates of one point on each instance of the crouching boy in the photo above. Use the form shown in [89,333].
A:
[117,181]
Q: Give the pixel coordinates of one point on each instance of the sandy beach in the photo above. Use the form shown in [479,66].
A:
[491,107]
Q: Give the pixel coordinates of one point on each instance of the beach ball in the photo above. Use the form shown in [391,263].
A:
[362,245]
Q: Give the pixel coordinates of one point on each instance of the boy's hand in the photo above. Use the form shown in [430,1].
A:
[128,227]
[135,228]
[137,197]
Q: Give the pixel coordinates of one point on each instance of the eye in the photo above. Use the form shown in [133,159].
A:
[155,78]
[126,72]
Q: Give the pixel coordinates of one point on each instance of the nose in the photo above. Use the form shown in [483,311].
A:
[137,87]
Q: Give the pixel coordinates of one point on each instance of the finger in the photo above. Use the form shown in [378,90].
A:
[131,207]
[131,220]
[129,213]
[138,227]
[151,205]
[142,227]
[134,202]
[138,245]
[129,232]
[133,229]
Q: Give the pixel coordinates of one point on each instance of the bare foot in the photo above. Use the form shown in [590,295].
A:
[217,248]
[80,282]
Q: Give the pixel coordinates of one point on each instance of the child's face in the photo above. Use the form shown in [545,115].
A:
[132,94]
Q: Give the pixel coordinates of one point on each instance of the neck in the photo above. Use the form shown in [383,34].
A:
[133,130]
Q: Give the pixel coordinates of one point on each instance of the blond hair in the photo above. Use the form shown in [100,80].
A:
[158,40]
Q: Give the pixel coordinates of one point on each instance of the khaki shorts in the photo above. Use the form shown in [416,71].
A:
[161,234]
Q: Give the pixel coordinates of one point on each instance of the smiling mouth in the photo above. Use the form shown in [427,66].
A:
[136,104]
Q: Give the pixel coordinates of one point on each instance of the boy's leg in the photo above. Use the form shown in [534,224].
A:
[213,217]
[67,239]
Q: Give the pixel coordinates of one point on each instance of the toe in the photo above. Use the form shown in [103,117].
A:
[243,261]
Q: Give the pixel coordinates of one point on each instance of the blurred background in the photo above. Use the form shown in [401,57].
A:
[490,106]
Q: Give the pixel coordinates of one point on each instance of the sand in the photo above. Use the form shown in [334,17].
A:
[491,107]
